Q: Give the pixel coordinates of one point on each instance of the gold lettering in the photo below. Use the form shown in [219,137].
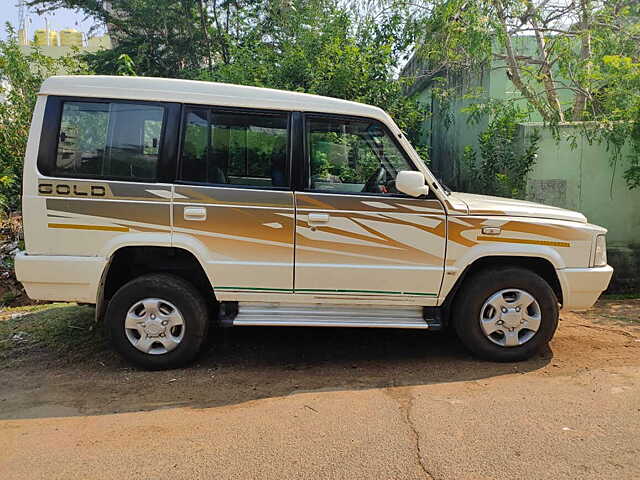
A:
[45,188]
[98,191]
[63,189]
[78,192]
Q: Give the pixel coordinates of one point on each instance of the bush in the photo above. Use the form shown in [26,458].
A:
[21,74]
[503,167]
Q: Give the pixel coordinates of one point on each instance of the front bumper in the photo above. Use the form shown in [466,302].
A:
[60,277]
[581,287]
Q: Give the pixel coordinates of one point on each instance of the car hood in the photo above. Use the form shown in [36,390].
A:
[487,205]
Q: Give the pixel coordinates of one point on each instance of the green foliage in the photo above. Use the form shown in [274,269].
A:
[125,66]
[501,169]
[21,75]
[324,47]
[568,61]
[455,34]
[621,97]
[318,48]
[362,163]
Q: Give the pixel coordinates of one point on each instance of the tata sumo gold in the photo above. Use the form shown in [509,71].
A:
[175,205]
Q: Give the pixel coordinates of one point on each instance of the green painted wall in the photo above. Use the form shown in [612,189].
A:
[582,179]
[449,130]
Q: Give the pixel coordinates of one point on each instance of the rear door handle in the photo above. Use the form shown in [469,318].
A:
[196,214]
[315,218]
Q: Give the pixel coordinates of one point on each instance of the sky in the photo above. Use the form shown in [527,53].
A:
[61,18]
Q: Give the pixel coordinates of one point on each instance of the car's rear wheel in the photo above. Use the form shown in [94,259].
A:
[506,314]
[157,321]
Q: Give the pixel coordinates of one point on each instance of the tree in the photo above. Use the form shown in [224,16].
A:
[585,56]
[324,47]
[571,39]
[21,75]
[162,37]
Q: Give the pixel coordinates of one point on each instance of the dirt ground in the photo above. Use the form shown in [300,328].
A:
[301,403]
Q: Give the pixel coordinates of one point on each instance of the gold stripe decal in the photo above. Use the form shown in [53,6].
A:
[483,238]
[104,228]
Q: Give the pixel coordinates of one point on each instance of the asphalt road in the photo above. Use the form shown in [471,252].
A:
[334,404]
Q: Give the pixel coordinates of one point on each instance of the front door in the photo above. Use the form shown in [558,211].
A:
[355,234]
[233,205]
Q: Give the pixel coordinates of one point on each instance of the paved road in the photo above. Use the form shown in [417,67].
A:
[309,404]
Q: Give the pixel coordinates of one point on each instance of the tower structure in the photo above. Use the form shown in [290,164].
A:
[23,23]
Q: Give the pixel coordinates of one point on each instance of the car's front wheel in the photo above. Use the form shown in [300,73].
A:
[157,321]
[506,314]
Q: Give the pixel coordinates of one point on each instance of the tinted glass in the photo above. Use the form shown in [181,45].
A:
[109,140]
[353,156]
[235,148]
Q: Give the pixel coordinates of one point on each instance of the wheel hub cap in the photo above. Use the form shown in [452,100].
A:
[154,326]
[510,317]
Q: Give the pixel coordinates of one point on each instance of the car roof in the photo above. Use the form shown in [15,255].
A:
[203,93]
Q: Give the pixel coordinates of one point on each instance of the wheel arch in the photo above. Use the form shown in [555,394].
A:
[538,265]
[128,262]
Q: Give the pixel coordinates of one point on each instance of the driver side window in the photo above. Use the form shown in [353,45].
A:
[352,156]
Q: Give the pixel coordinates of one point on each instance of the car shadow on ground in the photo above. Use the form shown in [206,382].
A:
[244,364]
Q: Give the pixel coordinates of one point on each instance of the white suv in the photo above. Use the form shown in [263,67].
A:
[168,203]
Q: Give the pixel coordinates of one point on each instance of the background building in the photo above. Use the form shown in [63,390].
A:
[56,43]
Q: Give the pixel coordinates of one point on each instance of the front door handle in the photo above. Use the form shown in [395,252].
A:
[196,214]
[315,218]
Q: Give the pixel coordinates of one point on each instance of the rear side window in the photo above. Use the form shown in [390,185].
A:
[226,148]
[118,140]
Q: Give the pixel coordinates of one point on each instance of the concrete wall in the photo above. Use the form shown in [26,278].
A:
[57,52]
[93,45]
[448,129]
[582,179]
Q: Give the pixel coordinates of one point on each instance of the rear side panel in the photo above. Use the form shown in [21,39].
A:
[94,175]
[84,217]
[74,215]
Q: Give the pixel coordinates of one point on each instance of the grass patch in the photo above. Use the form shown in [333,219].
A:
[65,329]
[621,296]
[9,312]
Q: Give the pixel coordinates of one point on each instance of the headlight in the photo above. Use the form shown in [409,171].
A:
[600,253]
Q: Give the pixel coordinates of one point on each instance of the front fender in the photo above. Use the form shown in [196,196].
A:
[454,270]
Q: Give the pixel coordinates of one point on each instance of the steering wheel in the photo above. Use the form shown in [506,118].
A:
[375,182]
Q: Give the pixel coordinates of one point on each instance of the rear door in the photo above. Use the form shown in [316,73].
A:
[233,206]
[355,234]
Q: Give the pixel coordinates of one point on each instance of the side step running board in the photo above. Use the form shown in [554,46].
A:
[285,314]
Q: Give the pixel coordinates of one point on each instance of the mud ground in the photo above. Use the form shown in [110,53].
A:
[280,403]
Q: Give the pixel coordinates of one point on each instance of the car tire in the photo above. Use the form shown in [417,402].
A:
[157,321]
[495,299]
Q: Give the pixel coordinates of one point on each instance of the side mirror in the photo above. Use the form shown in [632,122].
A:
[412,183]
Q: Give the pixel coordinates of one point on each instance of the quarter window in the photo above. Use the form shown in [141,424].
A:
[109,140]
[235,148]
[353,156]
